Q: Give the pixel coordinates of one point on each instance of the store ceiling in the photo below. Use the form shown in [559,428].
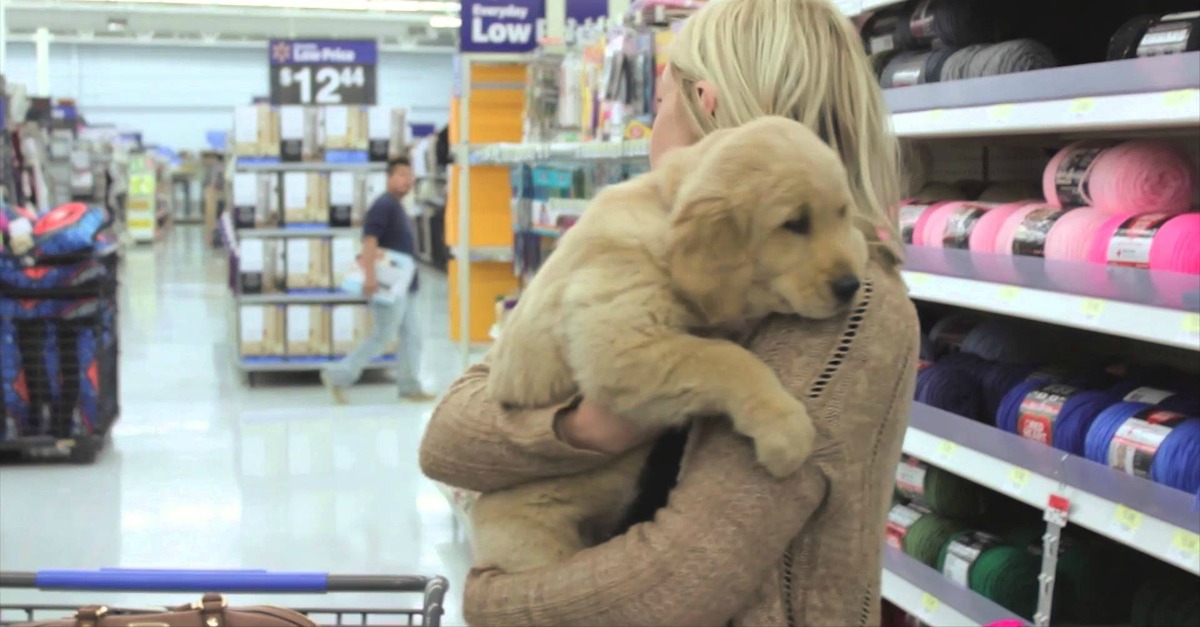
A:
[183,22]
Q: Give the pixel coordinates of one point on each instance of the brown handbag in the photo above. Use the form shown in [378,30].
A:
[211,611]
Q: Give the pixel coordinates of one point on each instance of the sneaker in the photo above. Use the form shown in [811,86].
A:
[337,392]
[418,396]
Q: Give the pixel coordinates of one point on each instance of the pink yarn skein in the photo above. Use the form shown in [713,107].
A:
[1008,230]
[1103,235]
[1176,246]
[1139,176]
[987,228]
[1072,236]
[934,227]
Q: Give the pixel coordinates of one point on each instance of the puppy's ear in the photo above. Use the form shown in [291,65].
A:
[707,259]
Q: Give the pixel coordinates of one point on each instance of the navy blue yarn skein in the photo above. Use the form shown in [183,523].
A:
[951,389]
[1005,341]
[996,380]
[1076,418]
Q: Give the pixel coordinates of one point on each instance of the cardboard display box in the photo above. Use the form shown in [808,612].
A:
[350,326]
[345,128]
[262,330]
[305,197]
[308,331]
[255,200]
[308,264]
[256,131]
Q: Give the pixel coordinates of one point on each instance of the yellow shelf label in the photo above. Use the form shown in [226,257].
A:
[916,278]
[1191,324]
[1092,307]
[945,449]
[1187,542]
[1017,479]
[935,115]
[1126,521]
[1178,98]
[1000,112]
[929,603]
[1008,293]
[1082,105]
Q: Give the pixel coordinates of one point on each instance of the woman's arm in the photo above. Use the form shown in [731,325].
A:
[473,443]
[725,524]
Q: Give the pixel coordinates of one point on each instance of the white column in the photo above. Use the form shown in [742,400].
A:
[41,39]
[616,10]
[3,34]
[556,19]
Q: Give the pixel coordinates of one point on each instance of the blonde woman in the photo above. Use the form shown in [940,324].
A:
[713,539]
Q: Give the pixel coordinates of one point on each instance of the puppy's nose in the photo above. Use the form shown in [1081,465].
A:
[844,287]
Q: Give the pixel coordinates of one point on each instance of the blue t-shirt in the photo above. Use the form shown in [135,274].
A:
[388,223]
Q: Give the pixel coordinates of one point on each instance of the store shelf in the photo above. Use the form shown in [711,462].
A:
[303,366]
[308,166]
[501,254]
[1158,307]
[300,232]
[1155,519]
[300,299]
[936,601]
[506,154]
[1152,93]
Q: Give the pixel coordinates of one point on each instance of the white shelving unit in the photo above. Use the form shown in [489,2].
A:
[251,366]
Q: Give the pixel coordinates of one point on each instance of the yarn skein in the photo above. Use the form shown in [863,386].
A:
[1135,176]
[1003,573]
[1177,460]
[1067,429]
[987,227]
[1007,232]
[1176,246]
[1071,237]
[1098,253]
[950,389]
[927,536]
[1005,341]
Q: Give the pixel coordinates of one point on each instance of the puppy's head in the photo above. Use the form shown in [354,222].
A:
[763,222]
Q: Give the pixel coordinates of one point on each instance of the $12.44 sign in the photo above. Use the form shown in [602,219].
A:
[323,71]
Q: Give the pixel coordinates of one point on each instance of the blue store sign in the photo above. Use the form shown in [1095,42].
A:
[517,25]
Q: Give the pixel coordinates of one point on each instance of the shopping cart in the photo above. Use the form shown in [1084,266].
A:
[232,581]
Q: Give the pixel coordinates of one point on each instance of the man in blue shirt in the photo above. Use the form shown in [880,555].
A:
[386,229]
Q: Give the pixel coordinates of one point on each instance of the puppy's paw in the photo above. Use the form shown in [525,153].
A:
[785,447]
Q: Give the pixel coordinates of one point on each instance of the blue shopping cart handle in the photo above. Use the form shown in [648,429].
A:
[166,580]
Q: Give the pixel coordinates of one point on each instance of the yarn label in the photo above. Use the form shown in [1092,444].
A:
[910,479]
[1130,245]
[1030,238]
[957,233]
[1039,410]
[909,214]
[1169,36]
[880,44]
[1152,396]
[962,553]
[908,72]
[921,22]
[1133,447]
[899,519]
[1071,177]
[951,334]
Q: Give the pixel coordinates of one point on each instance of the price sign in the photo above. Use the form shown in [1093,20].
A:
[323,71]
[1125,522]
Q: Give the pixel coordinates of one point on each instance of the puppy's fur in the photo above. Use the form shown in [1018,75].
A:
[748,222]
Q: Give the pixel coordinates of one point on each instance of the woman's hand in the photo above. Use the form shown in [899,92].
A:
[594,428]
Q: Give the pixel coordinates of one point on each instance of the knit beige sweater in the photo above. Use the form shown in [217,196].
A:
[732,544]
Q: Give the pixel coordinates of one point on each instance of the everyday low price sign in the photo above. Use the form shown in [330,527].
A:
[517,25]
[323,71]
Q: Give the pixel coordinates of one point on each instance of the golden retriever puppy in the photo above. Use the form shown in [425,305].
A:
[747,222]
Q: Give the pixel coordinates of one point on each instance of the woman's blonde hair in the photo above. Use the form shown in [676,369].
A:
[803,60]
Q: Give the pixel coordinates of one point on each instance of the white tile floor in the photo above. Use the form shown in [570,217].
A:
[206,472]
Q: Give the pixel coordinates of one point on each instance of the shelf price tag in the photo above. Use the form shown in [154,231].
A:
[1185,549]
[1125,522]
[1008,293]
[1178,98]
[929,604]
[935,115]
[916,279]
[1016,481]
[945,450]
[1091,308]
[1190,327]
[1081,106]
[1058,508]
[1000,112]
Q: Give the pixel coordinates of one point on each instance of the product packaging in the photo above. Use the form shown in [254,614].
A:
[256,131]
[255,200]
[343,198]
[262,330]
[346,128]
[308,264]
[344,255]
[299,131]
[379,133]
[305,198]
[372,186]
[350,326]
[308,331]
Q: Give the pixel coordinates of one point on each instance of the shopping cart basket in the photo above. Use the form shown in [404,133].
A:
[233,581]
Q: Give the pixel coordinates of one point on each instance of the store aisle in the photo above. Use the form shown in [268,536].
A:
[204,472]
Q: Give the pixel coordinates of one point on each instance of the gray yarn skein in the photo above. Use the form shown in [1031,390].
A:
[1008,57]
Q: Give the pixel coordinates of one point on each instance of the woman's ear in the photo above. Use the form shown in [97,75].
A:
[706,93]
[707,259]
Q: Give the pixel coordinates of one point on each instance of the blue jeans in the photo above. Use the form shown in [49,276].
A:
[388,321]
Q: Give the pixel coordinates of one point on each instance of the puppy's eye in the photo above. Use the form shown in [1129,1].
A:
[799,226]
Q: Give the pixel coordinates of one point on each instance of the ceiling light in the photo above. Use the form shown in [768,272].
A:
[402,6]
[445,21]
